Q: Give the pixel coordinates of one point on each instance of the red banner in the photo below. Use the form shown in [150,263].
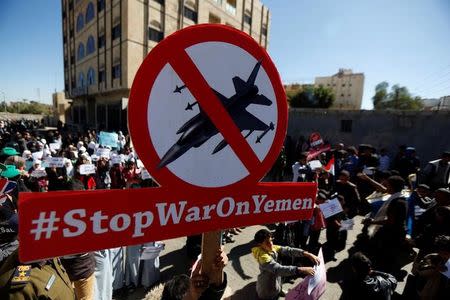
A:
[74,222]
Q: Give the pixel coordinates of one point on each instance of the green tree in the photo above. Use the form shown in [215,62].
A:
[312,97]
[398,98]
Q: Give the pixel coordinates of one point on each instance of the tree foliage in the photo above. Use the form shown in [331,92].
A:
[312,97]
[398,98]
[26,107]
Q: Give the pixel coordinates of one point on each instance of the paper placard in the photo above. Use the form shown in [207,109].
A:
[103,152]
[315,164]
[331,207]
[55,162]
[54,146]
[37,155]
[39,173]
[347,224]
[86,169]
[116,159]
[108,139]
[151,252]
[311,287]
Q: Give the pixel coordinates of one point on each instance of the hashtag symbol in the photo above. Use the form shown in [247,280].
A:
[45,225]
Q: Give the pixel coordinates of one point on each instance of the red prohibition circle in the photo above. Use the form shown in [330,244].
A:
[149,71]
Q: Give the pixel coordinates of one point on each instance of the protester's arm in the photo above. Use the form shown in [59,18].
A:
[296,252]
[378,186]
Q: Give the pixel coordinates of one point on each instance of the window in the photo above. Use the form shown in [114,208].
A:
[80,51]
[80,80]
[64,39]
[80,22]
[101,76]
[115,32]
[248,19]
[231,6]
[116,72]
[70,4]
[90,76]
[342,95]
[90,45]
[100,5]
[155,35]
[71,33]
[64,14]
[101,41]
[72,59]
[90,13]
[343,85]
[349,84]
[160,1]
[190,14]
[346,125]
[65,63]
[349,95]
[213,19]
[264,30]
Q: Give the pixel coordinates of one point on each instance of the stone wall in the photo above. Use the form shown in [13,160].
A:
[427,131]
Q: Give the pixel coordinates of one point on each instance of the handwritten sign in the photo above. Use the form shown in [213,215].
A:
[55,162]
[347,225]
[311,287]
[38,173]
[116,159]
[152,252]
[108,139]
[87,169]
[331,207]
[103,152]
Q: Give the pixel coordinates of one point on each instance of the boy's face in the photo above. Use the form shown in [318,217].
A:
[267,244]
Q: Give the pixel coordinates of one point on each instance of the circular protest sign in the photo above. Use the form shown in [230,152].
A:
[207,109]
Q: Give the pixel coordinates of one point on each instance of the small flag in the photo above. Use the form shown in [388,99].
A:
[6,186]
[330,166]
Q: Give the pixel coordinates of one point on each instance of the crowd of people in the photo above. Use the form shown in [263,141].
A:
[405,205]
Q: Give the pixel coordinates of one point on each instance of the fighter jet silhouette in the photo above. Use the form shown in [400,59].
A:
[200,129]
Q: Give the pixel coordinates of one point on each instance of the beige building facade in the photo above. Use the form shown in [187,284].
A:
[105,41]
[347,86]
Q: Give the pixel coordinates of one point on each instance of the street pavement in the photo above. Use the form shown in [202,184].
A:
[242,269]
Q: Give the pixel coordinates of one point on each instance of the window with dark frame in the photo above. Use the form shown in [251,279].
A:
[101,41]
[264,30]
[346,125]
[116,72]
[159,1]
[155,35]
[248,19]
[190,14]
[101,76]
[100,5]
[115,32]
[70,4]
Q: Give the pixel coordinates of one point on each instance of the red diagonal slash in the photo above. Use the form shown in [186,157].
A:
[202,92]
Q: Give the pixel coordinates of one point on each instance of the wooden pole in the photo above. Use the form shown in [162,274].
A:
[211,243]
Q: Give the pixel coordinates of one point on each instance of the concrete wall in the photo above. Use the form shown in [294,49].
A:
[428,132]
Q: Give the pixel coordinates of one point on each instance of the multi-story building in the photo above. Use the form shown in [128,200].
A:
[347,86]
[105,41]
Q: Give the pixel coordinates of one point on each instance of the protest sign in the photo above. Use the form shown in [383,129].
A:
[315,164]
[37,155]
[116,159]
[316,146]
[311,287]
[330,207]
[108,139]
[151,252]
[55,162]
[54,146]
[38,173]
[103,152]
[207,157]
[86,169]
[347,225]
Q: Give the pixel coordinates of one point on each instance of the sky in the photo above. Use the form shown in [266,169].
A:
[404,42]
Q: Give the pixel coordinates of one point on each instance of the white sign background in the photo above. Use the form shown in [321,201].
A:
[218,62]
